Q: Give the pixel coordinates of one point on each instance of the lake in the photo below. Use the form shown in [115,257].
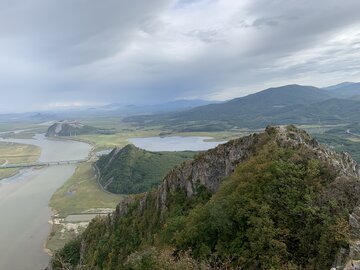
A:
[174,143]
[24,199]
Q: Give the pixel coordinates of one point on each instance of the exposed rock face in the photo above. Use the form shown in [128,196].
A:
[65,128]
[211,167]
[73,128]
[214,165]
[353,262]
[208,170]
[351,265]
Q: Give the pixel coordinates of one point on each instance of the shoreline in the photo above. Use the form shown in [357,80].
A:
[51,222]
[44,182]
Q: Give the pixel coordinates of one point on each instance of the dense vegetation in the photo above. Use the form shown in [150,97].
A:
[280,209]
[132,170]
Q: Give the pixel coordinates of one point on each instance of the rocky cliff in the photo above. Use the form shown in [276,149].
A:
[207,170]
[272,200]
[67,128]
[218,163]
[74,128]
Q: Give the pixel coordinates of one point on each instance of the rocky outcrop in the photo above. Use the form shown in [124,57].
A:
[65,128]
[140,219]
[208,169]
[211,167]
[352,261]
[74,128]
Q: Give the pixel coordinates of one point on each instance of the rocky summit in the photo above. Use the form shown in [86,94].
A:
[274,200]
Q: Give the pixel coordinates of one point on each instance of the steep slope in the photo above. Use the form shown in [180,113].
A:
[132,170]
[276,200]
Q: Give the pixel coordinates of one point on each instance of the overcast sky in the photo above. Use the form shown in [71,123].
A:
[85,52]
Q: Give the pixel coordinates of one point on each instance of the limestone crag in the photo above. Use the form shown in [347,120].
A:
[211,167]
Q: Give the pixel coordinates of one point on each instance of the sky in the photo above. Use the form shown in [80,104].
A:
[58,54]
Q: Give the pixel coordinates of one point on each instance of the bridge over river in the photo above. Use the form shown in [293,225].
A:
[43,164]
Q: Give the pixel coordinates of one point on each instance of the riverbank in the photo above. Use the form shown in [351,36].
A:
[24,199]
[25,215]
[14,153]
[81,196]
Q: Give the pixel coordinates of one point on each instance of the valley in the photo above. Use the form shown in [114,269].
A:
[144,153]
[180,135]
[72,192]
[79,196]
[190,205]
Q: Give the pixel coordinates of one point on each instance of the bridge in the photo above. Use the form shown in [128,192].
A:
[43,164]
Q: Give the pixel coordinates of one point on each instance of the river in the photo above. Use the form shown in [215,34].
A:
[24,199]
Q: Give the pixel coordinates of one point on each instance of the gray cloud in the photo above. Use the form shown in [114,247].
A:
[204,36]
[131,51]
[73,32]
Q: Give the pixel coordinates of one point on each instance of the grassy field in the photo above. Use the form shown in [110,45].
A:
[6,173]
[13,153]
[81,192]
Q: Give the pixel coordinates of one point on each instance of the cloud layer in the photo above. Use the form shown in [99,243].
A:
[84,52]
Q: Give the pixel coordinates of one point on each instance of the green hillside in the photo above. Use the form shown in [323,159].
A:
[132,170]
[286,205]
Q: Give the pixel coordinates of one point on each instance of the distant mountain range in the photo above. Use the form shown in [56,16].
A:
[177,105]
[282,105]
[110,110]
[344,90]
[290,104]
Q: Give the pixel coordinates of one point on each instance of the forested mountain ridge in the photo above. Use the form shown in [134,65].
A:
[131,170]
[344,90]
[275,200]
[291,104]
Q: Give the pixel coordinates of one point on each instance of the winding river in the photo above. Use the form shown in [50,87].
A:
[24,198]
